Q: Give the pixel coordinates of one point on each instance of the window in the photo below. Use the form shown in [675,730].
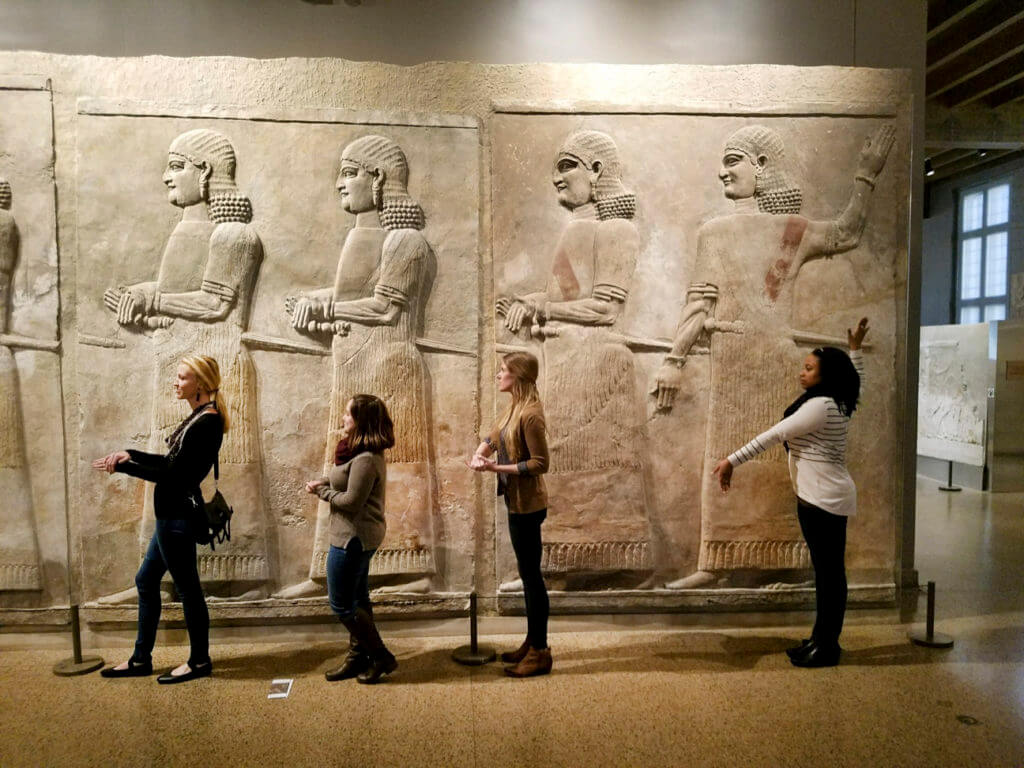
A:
[982,248]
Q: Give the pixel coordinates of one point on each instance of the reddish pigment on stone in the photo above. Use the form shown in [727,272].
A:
[778,271]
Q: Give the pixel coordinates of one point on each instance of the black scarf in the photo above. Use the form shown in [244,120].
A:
[175,438]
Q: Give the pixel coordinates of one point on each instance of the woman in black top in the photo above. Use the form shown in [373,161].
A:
[192,450]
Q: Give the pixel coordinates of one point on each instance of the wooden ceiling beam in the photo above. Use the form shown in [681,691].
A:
[990,80]
[944,13]
[975,29]
[971,164]
[1009,92]
[1001,46]
[950,156]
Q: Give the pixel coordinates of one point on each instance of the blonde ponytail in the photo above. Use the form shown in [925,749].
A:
[207,373]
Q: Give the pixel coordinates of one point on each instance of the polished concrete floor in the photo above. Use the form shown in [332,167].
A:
[623,693]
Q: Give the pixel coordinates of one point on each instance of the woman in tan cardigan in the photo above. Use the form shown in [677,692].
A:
[519,439]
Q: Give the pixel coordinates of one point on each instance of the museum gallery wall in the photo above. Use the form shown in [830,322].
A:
[669,241]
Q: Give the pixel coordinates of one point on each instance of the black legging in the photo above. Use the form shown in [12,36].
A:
[826,539]
[524,530]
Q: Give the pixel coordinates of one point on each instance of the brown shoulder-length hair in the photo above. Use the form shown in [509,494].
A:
[372,430]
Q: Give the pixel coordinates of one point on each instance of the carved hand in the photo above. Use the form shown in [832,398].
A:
[724,471]
[307,311]
[517,313]
[875,151]
[134,303]
[112,298]
[855,337]
[501,306]
[667,382]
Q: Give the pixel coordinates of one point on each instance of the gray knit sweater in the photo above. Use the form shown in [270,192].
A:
[355,492]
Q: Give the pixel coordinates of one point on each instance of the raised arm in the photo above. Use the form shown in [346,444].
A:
[825,238]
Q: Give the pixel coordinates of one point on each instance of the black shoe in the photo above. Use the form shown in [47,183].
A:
[353,665]
[199,670]
[382,664]
[798,650]
[135,669]
[818,656]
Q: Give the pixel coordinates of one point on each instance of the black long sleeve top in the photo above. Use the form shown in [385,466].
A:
[178,474]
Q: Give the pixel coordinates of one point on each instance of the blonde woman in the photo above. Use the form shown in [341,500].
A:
[520,441]
[192,449]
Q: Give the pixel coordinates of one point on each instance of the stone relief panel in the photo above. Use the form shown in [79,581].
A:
[33,538]
[954,379]
[249,283]
[720,290]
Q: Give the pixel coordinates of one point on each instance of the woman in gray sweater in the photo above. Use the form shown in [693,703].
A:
[355,490]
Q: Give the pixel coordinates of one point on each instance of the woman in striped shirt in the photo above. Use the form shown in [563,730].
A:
[814,432]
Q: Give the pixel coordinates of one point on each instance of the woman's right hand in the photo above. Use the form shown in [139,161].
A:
[855,337]
[724,471]
[109,462]
[314,486]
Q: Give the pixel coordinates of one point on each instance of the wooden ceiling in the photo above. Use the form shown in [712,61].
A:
[974,79]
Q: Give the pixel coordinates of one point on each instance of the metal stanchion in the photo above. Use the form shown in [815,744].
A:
[949,483]
[77,665]
[929,638]
[471,654]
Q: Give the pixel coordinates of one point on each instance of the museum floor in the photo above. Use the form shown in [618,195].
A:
[679,691]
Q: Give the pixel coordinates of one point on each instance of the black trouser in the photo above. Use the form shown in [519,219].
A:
[826,539]
[524,530]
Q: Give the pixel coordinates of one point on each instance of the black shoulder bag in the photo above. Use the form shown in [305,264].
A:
[213,520]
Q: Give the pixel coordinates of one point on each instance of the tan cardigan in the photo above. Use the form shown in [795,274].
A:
[524,492]
[356,495]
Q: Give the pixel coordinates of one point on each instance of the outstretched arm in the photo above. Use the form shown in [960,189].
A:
[824,238]
[701,298]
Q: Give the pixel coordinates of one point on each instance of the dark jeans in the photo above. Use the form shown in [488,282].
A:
[826,539]
[524,530]
[172,548]
[348,572]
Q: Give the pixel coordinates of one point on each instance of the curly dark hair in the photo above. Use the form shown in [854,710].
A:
[839,379]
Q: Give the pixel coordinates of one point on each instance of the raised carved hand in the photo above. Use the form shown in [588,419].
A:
[875,151]
[667,383]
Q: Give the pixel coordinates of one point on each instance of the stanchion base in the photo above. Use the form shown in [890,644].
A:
[70,667]
[934,640]
[949,488]
[465,654]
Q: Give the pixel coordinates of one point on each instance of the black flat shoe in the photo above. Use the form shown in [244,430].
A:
[200,670]
[799,650]
[817,656]
[134,669]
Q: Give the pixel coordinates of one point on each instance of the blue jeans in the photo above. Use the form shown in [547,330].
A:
[348,572]
[172,548]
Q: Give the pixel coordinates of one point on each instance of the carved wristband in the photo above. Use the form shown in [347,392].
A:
[866,179]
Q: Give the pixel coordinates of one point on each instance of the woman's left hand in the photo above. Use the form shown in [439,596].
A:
[314,486]
[109,462]
[855,337]
[724,471]
[482,463]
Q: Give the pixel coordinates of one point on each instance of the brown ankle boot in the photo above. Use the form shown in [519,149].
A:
[534,663]
[514,657]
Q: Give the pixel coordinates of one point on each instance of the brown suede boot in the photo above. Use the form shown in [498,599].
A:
[514,657]
[534,663]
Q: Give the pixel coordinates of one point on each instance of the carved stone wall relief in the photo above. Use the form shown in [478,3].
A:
[222,282]
[720,298]
[597,521]
[33,543]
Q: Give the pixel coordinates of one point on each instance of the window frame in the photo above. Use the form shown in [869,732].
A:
[982,301]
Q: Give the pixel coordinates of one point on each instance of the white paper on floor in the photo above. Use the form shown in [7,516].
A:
[280,688]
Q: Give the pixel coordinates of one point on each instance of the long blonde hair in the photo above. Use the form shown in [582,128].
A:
[524,367]
[207,373]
